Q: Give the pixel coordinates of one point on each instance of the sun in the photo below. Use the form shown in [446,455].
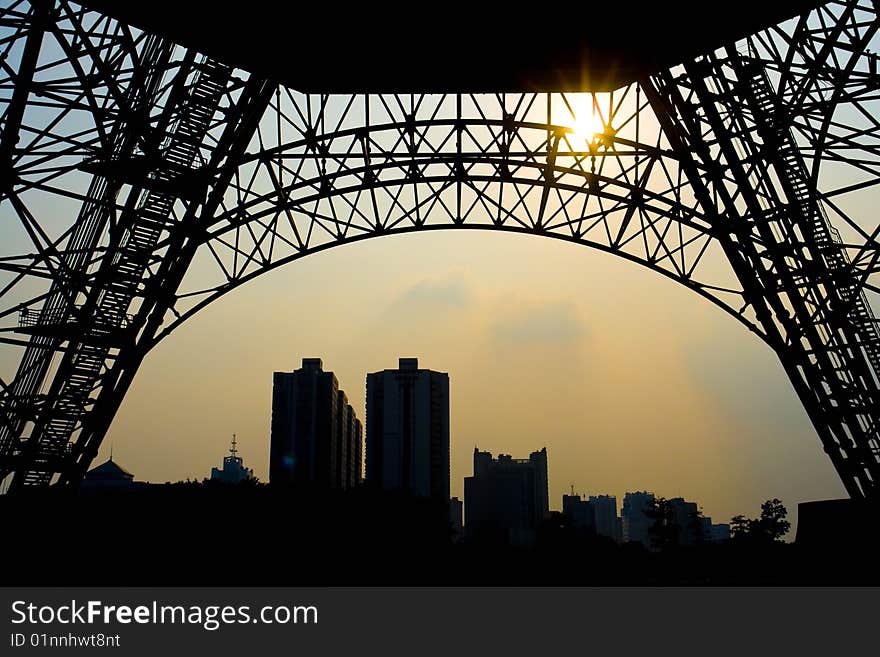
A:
[587,125]
[583,118]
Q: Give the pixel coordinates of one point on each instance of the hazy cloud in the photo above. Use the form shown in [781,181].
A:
[441,294]
[555,324]
[749,383]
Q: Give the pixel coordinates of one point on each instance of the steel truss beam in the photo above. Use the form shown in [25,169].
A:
[184,179]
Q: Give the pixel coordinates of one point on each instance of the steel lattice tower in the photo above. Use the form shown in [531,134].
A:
[140,180]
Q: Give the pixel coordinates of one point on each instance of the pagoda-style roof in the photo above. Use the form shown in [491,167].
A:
[109,469]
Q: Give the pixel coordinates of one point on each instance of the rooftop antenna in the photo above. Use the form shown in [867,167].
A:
[232,450]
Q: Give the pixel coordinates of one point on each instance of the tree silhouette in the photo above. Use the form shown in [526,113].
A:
[696,529]
[770,527]
[740,527]
[663,531]
[773,523]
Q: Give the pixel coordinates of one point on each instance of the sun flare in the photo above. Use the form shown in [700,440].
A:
[586,124]
[582,116]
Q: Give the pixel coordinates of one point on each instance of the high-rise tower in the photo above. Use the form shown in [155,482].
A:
[315,432]
[408,430]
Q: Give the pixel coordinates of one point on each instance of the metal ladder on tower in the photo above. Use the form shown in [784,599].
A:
[53,323]
[142,230]
[826,237]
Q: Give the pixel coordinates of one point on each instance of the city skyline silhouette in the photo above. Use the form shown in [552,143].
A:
[579,456]
[307,299]
[189,244]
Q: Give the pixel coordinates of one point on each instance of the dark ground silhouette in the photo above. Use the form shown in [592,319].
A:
[193,534]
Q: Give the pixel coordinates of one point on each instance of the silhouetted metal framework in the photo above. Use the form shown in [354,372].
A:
[142,181]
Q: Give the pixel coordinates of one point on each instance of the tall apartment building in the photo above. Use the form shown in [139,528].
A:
[315,432]
[507,498]
[580,514]
[607,522]
[635,522]
[354,453]
[686,517]
[408,430]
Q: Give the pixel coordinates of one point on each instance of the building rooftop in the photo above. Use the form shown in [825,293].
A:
[108,469]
